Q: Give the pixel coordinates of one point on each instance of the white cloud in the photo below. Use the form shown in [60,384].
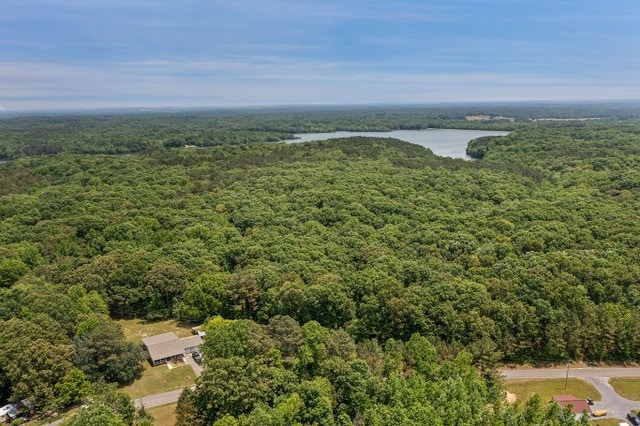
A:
[266,80]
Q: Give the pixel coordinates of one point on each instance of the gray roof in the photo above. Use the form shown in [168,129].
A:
[159,338]
[165,349]
[167,345]
[191,341]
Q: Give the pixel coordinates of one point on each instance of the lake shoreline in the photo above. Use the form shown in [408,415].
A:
[442,142]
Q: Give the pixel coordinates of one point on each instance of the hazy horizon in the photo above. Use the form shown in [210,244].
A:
[275,108]
[77,55]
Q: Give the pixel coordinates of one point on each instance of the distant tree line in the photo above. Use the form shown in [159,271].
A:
[135,133]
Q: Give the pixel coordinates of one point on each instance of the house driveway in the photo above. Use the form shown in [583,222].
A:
[197,369]
[617,407]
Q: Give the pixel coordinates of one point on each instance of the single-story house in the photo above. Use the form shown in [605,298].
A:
[191,344]
[578,405]
[166,347]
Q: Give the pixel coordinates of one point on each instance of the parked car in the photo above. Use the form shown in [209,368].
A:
[197,357]
[633,418]
[599,413]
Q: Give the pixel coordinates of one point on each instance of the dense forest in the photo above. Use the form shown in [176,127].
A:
[117,133]
[359,280]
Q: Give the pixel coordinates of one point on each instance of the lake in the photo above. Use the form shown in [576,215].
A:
[443,142]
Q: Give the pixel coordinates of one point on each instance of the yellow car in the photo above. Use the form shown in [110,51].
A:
[599,413]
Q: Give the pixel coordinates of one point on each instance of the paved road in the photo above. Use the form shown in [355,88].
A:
[617,407]
[599,377]
[148,402]
[171,396]
[534,373]
[158,399]
[581,373]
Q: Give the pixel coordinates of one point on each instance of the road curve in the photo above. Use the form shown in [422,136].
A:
[617,407]
[575,372]
[533,373]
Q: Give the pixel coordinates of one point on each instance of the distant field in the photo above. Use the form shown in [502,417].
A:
[606,422]
[137,329]
[165,415]
[546,388]
[627,387]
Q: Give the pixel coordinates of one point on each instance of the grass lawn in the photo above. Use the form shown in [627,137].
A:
[160,379]
[627,387]
[546,388]
[136,329]
[606,422]
[165,415]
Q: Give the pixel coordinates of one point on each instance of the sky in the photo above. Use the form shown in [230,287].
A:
[79,54]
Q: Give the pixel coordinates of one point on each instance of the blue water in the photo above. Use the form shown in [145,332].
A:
[443,142]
